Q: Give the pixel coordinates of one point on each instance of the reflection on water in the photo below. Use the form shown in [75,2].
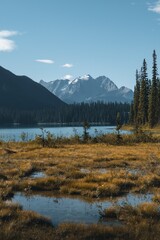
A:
[37,175]
[135,199]
[99,170]
[66,209]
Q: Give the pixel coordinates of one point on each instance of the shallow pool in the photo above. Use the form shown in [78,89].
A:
[71,209]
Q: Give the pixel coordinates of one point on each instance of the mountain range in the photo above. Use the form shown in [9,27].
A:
[87,89]
[21,92]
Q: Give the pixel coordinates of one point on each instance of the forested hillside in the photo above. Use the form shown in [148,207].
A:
[102,113]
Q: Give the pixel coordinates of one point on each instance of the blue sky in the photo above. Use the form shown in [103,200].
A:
[50,39]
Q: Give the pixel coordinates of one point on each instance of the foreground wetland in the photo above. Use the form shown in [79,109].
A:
[80,190]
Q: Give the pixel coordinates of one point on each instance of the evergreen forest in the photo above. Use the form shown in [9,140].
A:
[94,113]
[145,108]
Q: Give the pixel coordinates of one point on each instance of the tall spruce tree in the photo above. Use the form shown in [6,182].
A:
[136,98]
[158,100]
[143,96]
[131,114]
[153,97]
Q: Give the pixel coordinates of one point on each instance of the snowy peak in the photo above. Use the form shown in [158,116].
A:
[88,89]
[82,78]
[106,83]
[85,77]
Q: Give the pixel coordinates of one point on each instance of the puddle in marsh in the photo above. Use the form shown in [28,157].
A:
[85,170]
[67,209]
[106,170]
[99,170]
[136,171]
[37,175]
[134,199]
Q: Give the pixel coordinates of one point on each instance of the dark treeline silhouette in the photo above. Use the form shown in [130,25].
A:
[101,113]
[21,92]
[145,108]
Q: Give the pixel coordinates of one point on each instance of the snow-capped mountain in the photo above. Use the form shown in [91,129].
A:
[88,89]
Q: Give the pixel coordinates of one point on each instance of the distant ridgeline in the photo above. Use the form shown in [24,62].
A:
[87,89]
[26,102]
[145,108]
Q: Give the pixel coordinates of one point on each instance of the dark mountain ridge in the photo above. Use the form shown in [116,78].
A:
[21,92]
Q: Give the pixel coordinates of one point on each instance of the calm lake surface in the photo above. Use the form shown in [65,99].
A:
[14,133]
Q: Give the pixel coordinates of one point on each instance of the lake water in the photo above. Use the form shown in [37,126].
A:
[14,133]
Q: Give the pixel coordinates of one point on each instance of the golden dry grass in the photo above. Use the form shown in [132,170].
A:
[92,170]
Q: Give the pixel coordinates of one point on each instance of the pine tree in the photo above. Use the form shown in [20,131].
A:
[136,97]
[158,100]
[86,126]
[131,114]
[118,127]
[143,98]
[153,97]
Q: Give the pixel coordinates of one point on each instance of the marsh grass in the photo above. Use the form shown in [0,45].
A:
[142,222]
[62,167]
[156,198]
[148,212]
[62,164]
